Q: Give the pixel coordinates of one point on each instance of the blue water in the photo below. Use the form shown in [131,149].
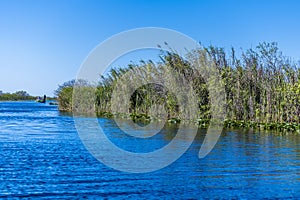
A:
[42,156]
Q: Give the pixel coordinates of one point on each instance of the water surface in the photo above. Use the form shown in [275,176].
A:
[42,157]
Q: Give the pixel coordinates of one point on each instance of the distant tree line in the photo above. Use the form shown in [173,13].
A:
[262,87]
[17,96]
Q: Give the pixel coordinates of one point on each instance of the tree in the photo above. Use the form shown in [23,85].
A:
[22,93]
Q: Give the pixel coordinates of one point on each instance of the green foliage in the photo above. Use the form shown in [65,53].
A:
[262,88]
[65,98]
[17,96]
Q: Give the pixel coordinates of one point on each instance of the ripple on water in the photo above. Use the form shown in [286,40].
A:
[42,157]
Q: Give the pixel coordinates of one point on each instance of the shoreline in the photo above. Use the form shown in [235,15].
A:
[204,123]
[26,100]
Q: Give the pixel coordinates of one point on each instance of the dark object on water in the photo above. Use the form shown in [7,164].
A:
[53,103]
[41,100]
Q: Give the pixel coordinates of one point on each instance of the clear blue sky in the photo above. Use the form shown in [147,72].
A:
[43,43]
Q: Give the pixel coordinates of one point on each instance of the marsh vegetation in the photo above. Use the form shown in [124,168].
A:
[262,88]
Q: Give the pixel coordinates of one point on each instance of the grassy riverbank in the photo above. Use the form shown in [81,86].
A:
[20,96]
[262,88]
[17,96]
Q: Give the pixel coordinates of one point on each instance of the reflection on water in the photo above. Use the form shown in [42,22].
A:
[42,156]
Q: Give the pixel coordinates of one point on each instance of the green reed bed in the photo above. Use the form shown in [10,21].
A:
[262,88]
